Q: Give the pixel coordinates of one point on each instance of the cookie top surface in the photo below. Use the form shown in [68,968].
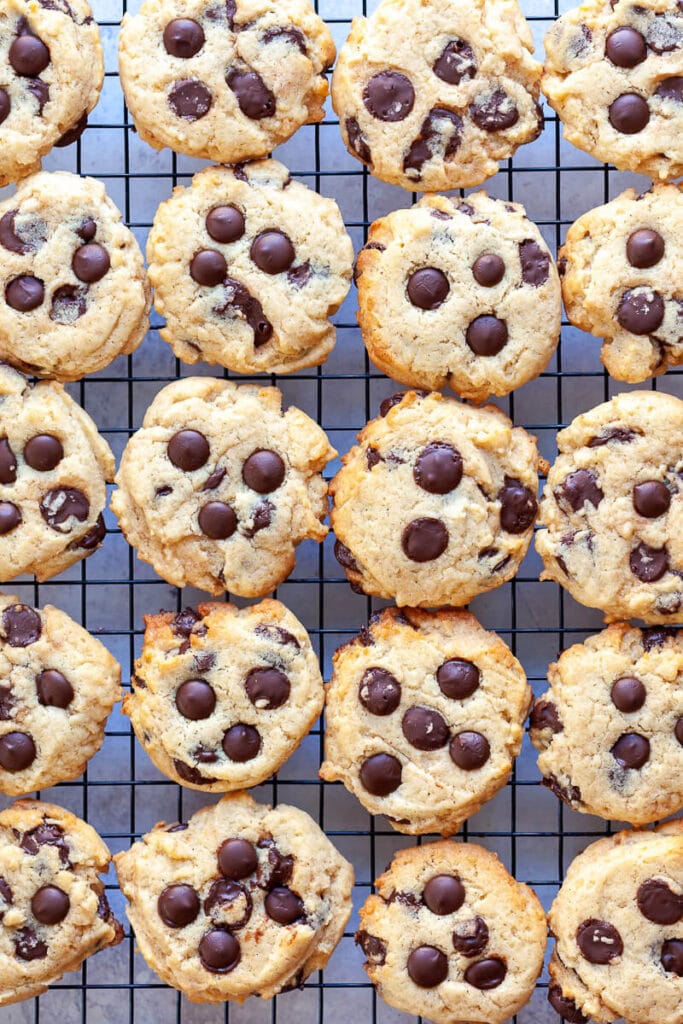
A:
[220,484]
[437,501]
[617,923]
[225,81]
[622,280]
[52,73]
[431,95]
[221,697]
[450,935]
[459,293]
[73,289]
[424,716]
[53,907]
[54,467]
[248,265]
[613,74]
[242,900]
[612,508]
[610,728]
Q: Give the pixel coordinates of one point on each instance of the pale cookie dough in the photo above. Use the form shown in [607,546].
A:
[451,936]
[424,717]
[436,503]
[51,73]
[242,900]
[226,81]
[248,266]
[459,293]
[220,484]
[54,911]
[54,468]
[618,928]
[612,508]
[432,94]
[73,289]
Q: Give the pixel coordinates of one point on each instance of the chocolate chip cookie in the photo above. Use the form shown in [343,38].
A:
[432,95]
[73,289]
[613,508]
[242,900]
[614,74]
[425,715]
[451,936]
[618,928]
[54,911]
[459,293]
[54,468]
[52,73]
[224,81]
[247,267]
[436,503]
[220,484]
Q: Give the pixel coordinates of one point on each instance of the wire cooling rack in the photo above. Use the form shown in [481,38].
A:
[122,795]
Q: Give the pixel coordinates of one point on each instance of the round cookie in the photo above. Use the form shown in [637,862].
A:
[610,728]
[73,289]
[221,696]
[612,508]
[431,95]
[54,911]
[613,74]
[436,503]
[220,484]
[622,280]
[52,73]
[618,928]
[54,468]
[224,81]
[247,267]
[242,900]
[451,936]
[459,293]
[424,717]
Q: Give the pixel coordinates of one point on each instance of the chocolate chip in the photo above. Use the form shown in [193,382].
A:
[239,300]
[195,699]
[458,678]
[267,688]
[46,834]
[219,951]
[261,517]
[344,557]
[90,262]
[188,450]
[428,966]
[74,133]
[183,37]
[518,506]
[381,774]
[190,99]
[424,539]
[284,906]
[10,517]
[21,625]
[272,252]
[237,859]
[658,903]
[289,33]
[629,113]
[263,471]
[486,974]
[457,62]
[208,267]
[428,288]
[535,263]
[217,520]
[17,751]
[494,113]
[5,105]
[628,694]
[372,457]
[374,948]
[471,937]
[672,956]
[356,141]
[625,47]
[425,729]
[671,89]
[444,894]
[24,293]
[487,335]
[54,689]
[651,499]
[276,634]
[640,311]
[87,231]
[188,773]
[438,468]
[300,276]
[9,238]
[225,224]
[43,452]
[214,481]
[644,248]
[50,904]
[469,750]
[566,1007]
[488,270]
[232,901]
[579,489]
[631,750]
[241,742]
[64,503]
[29,56]
[204,755]
[389,96]
[544,715]
[28,946]
[253,96]
[93,538]
[649,564]
[678,730]
[8,463]
[281,865]
[7,703]
[441,130]
[68,304]
[40,91]
[6,894]
[619,434]
[379,692]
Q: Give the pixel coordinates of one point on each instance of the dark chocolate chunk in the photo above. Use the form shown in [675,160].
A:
[566,1007]
[374,948]
[190,99]
[188,773]
[672,956]
[599,941]
[579,489]
[471,937]
[648,564]
[544,715]
[61,504]
[640,311]
[240,302]
[486,974]
[658,903]
[21,625]
[494,113]
[10,517]
[441,131]
[518,506]
[671,89]
[267,688]
[356,141]
[535,263]
[253,96]
[8,463]
[28,945]
[54,689]
[457,62]
[389,96]
[28,55]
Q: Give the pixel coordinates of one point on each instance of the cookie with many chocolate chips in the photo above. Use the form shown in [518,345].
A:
[437,502]
[613,508]
[618,928]
[54,911]
[424,717]
[54,468]
[226,81]
[247,267]
[242,900]
[450,936]
[461,293]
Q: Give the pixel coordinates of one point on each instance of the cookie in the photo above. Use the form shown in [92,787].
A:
[220,484]
[54,468]
[54,911]
[224,81]
[451,936]
[424,717]
[52,73]
[613,75]
[244,899]
[247,267]
[610,728]
[221,696]
[436,503]
[618,927]
[431,95]
[622,280]
[73,289]
[612,508]
[459,293]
